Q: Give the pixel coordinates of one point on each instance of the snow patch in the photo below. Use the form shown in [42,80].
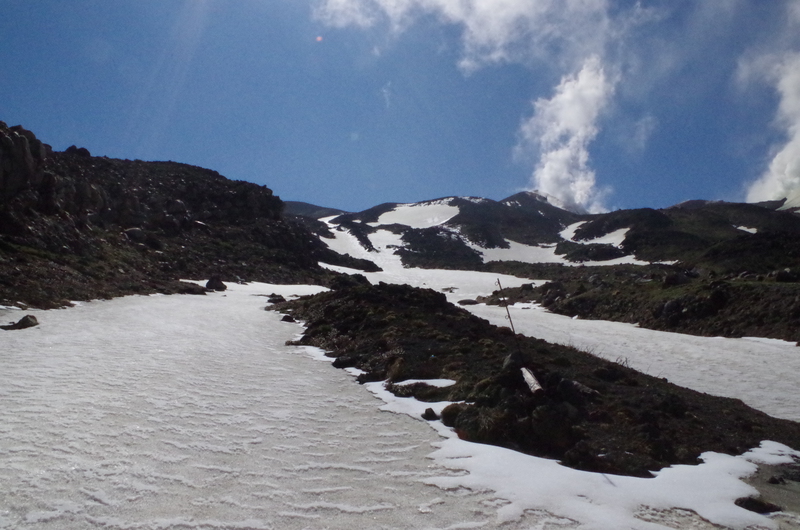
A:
[419,215]
[547,253]
[192,412]
[569,232]
[439,383]
[614,238]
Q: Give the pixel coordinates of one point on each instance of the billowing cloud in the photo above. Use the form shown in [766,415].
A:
[566,35]
[780,68]
[783,174]
[561,128]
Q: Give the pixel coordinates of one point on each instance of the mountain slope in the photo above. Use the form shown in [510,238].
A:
[73,227]
[721,237]
[701,267]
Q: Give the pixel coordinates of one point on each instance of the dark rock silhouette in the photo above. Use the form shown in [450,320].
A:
[28,321]
[75,226]
[215,284]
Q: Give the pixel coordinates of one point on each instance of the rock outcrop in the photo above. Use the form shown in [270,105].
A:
[75,226]
[215,284]
[22,158]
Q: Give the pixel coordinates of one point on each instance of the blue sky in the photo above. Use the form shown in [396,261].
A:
[349,103]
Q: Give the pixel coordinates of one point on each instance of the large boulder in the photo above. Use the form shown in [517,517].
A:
[28,321]
[215,284]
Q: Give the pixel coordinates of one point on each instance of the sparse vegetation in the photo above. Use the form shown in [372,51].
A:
[593,414]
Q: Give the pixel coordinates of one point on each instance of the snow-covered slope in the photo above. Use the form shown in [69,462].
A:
[466,232]
[190,412]
[447,215]
[419,215]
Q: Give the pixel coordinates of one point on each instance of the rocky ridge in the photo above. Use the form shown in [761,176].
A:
[715,268]
[74,227]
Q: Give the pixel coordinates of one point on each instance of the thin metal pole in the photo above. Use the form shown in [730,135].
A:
[508,313]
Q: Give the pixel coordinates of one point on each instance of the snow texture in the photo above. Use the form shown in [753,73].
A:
[190,412]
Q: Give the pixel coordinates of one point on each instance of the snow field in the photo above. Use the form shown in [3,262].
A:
[189,412]
[745,369]
[426,215]
[421,215]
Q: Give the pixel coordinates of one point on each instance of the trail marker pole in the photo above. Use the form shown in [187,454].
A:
[505,302]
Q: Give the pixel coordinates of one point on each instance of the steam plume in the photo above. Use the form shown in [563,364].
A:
[562,128]
[783,175]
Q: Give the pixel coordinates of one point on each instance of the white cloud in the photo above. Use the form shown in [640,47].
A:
[776,63]
[566,35]
[561,129]
[783,174]
[493,30]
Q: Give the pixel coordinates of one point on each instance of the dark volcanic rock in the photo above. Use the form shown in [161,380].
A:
[215,284]
[757,505]
[665,297]
[77,227]
[28,321]
[591,414]
[77,151]
[429,415]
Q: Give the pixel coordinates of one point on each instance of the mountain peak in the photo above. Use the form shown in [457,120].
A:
[535,195]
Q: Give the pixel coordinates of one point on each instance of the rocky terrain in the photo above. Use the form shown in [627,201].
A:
[703,267]
[590,413]
[76,227]
[666,297]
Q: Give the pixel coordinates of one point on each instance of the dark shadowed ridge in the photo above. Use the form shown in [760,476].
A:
[75,226]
